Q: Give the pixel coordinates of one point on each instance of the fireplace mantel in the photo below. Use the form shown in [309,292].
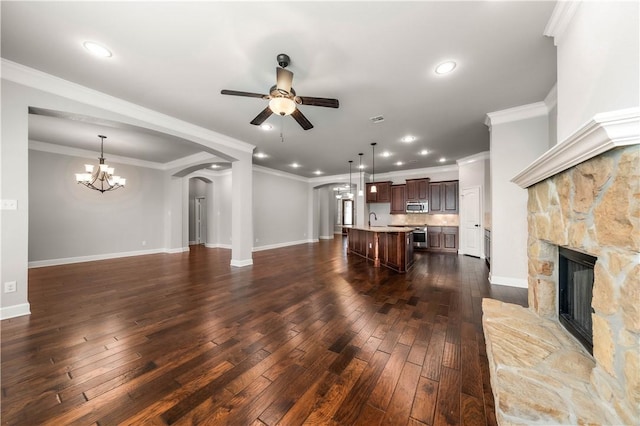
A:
[604,132]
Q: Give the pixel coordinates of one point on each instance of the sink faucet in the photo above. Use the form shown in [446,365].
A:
[374,217]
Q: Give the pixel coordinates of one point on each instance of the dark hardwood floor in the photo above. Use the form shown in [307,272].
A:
[307,335]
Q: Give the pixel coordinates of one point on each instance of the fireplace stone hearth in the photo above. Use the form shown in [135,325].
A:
[540,374]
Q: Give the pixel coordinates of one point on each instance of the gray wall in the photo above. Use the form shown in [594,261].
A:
[514,145]
[280,209]
[68,220]
[222,210]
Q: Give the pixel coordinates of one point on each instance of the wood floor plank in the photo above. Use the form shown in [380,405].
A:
[308,335]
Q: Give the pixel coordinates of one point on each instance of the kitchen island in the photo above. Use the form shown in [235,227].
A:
[391,247]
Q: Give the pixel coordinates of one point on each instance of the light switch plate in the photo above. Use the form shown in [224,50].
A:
[9,204]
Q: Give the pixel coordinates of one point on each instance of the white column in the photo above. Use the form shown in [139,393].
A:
[242,211]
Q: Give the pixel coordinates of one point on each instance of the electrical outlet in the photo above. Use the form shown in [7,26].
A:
[10,287]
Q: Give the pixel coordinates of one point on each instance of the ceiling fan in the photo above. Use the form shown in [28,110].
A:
[283,99]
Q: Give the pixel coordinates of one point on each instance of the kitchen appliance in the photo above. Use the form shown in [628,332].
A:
[420,237]
[417,207]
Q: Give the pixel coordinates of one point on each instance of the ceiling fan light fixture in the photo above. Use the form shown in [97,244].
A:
[282,105]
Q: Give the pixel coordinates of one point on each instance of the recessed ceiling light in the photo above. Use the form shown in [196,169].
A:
[266,126]
[386,154]
[424,152]
[295,165]
[97,49]
[445,67]
[442,160]
[215,166]
[317,172]
[408,139]
[260,155]
[361,166]
[399,163]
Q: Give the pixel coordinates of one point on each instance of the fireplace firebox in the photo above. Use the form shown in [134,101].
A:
[575,285]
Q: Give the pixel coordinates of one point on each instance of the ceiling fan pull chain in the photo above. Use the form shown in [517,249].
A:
[282,128]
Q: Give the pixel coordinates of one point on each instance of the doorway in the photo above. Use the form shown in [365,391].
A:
[470,221]
[200,220]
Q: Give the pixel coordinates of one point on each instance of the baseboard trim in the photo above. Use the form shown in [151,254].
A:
[508,281]
[15,311]
[175,250]
[80,259]
[285,244]
[241,263]
[325,237]
[222,246]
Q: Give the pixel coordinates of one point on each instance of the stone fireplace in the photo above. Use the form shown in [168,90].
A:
[584,194]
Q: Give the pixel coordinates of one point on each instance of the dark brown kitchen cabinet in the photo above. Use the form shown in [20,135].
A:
[442,239]
[417,189]
[443,197]
[398,199]
[382,194]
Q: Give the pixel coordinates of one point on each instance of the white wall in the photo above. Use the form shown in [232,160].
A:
[69,221]
[515,143]
[280,206]
[598,63]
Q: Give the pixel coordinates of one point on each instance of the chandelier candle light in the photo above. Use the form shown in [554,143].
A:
[102,179]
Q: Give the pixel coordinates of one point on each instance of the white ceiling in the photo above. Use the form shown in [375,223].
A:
[377,58]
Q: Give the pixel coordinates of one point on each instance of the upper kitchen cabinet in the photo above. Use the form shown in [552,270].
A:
[417,189]
[443,197]
[382,194]
[398,199]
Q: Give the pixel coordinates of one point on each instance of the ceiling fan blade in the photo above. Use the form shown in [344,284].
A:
[260,118]
[301,119]
[321,102]
[283,79]
[247,94]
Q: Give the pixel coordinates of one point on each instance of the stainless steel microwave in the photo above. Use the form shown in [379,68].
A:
[417,207]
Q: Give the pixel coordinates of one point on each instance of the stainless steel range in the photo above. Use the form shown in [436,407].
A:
[420,237]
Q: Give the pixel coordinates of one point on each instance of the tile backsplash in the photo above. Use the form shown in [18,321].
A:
[425,219]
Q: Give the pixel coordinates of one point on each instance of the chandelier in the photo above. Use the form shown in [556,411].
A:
[102,179]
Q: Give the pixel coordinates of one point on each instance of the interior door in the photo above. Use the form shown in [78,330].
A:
[470,220]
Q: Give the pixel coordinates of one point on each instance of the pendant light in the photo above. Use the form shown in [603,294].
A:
[373,189]
[350,194]
[360,191]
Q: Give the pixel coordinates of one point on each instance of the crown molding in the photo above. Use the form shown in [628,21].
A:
[84,153]
[273,172]
[485,155]
[39,80]
[560,19]
[551,100]
[518,113]
[604,132]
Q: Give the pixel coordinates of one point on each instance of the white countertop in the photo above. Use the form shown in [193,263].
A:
[382,228]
